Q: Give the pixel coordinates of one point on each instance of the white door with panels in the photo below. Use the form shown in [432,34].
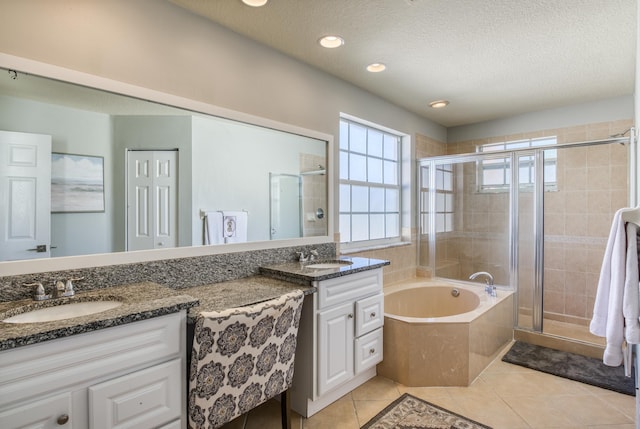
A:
[25,196]
[152,191]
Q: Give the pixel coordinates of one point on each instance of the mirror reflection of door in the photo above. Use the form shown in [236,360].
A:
[25,196]
[152,214]
[286,205]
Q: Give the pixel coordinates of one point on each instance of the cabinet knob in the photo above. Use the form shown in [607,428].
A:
[372,351]
[63,419]
[350,316]
[373,315]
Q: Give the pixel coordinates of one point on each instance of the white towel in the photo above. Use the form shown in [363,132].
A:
[235,225]
[615,295]
[213,228]
[630,301]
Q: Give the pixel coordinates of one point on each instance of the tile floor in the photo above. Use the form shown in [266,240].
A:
[504,396]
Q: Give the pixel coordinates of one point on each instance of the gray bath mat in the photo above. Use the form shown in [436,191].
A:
[572,366]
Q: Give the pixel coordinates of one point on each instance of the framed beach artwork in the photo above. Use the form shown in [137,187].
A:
[77,183]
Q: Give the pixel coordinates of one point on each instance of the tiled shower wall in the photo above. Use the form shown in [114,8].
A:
[591,186]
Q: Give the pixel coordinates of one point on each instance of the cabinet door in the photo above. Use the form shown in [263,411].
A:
[335,346]
[369,314]
[142,400]
[49,413]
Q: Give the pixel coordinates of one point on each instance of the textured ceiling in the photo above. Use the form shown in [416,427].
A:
[489,58]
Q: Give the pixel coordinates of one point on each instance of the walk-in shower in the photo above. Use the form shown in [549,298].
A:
[534,214]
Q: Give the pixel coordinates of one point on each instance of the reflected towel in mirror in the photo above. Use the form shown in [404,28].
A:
[213,228]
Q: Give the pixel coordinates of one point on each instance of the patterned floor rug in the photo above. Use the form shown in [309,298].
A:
[572,366]
[409,412]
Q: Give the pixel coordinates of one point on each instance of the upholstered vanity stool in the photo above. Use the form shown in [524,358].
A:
[241,358]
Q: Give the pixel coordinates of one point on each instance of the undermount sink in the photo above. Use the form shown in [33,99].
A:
[61,312]
[329,264]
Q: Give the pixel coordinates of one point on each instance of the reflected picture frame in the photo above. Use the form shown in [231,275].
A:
[77,183]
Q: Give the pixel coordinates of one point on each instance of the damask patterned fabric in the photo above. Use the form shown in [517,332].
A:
[241,358]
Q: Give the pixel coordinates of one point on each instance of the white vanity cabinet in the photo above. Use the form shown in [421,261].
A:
[128,376]
[340,339]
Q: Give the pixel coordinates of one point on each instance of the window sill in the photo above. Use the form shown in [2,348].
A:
[370,248]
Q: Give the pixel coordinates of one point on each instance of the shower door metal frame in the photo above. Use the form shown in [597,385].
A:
[539,189]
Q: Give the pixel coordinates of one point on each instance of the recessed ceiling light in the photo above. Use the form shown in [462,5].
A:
[376,67]
[439,104]
[255,3]
[331,41]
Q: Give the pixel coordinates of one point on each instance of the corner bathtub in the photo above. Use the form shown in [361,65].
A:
[433,338]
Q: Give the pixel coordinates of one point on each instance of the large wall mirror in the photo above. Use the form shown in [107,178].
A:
[132,174]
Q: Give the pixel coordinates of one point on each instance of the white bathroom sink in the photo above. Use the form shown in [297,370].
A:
[64,311]
[329,264]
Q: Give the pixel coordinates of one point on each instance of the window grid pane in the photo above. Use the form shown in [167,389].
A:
[444,210]
[490,170]
[369,183]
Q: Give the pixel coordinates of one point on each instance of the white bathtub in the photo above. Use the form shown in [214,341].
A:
[433,338]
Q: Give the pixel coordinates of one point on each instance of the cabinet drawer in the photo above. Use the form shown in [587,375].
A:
[368,350]
[369,314]
[47,413]
[349,288]
[143,399]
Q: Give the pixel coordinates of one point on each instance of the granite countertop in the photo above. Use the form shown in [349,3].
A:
[300,272]
[241,292]
[140,301]
[145,300]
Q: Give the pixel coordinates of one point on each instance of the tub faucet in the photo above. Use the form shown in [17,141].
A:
[490,288]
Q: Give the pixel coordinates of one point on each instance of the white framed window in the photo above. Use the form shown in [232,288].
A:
[370,184]
[494,175]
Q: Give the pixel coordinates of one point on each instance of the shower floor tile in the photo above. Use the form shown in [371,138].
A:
[571,330]
[565,329]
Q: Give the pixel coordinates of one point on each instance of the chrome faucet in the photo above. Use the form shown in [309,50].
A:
[60,290]
[38,292]
[490,288]
[313,254]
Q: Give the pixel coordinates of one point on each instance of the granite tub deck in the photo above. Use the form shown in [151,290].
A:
[141,301]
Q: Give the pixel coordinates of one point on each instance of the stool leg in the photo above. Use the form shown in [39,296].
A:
[285,407]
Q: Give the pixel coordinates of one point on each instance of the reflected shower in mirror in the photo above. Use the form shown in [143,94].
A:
[163,167]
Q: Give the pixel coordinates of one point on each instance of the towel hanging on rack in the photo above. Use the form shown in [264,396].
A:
[615,313]
[213,228]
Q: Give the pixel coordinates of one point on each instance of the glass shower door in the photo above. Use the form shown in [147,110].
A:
[524,274]
[590,186]
[464,204]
